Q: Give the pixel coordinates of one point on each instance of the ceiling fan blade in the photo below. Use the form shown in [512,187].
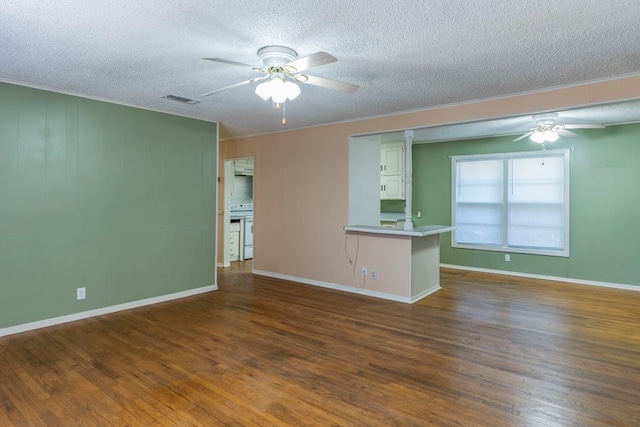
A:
[326,83]
[564,132]
[235,85]
[584,126]
[239,64]
[306,62]
[523,136]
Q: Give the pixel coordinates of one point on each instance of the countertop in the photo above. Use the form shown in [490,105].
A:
[391,217]
[425,230]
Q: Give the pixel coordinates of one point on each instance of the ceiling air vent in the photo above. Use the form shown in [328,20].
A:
[181,99]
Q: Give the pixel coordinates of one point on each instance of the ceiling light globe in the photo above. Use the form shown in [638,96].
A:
[537,137]
[292,90]
[550,136]
[278,90]
[263,91]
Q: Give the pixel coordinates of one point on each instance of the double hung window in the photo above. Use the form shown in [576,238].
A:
[516,202]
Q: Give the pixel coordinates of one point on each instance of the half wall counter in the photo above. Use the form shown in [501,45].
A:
[406,262]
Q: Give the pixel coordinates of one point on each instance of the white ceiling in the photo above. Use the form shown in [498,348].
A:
[404,55]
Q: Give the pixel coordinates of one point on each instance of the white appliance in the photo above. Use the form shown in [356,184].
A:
[243,211]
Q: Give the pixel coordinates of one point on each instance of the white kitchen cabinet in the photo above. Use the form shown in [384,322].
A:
[392,171]
[392,158]
[392,187]
[234,241]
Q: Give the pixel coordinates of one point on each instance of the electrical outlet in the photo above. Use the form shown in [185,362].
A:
[507,257]
[364,271]
[81,293]
[419,214]
[374,274]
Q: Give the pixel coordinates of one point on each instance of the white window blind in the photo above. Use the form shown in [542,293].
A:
[513,202]
[536,203]
[479,202]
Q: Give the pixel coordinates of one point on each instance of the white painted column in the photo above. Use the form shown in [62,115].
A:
[408,178]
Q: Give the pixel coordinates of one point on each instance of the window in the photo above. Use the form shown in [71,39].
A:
[516,202]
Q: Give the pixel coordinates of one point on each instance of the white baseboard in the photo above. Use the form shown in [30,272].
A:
[540,276]
[425,293]
[353,290]
[105,310]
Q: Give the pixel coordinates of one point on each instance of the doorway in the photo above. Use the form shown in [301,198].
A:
[236,237]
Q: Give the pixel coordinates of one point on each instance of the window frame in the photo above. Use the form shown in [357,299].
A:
[505,157]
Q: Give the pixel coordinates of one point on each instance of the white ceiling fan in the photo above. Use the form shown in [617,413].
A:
[282,67]
[547,130]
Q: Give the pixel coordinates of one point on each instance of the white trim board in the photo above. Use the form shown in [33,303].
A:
[425,293]
[105,310]
[350,289]
[543,277]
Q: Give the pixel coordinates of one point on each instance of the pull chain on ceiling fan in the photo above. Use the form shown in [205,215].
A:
[282,69]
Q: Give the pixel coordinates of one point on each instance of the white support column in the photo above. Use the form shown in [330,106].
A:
[408,178]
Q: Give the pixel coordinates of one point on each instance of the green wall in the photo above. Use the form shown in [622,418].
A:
[115,199]
[605,204]
[393,206]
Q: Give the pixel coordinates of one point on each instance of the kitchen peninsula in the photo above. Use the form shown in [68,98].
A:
[406,262]
[401,263]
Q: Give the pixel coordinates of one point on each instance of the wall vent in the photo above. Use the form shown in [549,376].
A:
[181,99]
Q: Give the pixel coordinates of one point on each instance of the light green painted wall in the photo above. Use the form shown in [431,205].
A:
[116,199]
[605,204]
[393,206]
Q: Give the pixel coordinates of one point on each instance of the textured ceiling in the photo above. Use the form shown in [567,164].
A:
[404,55]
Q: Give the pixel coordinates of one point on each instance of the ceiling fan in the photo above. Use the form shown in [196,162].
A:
[547,130]
[282,67]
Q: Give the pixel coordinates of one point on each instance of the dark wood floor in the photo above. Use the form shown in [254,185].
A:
[486,350]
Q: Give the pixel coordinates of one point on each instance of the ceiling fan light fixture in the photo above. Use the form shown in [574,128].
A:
[278,89]
[543,135]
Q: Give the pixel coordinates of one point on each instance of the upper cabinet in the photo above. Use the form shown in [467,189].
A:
[392,158]
[392,171]
[243,166]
